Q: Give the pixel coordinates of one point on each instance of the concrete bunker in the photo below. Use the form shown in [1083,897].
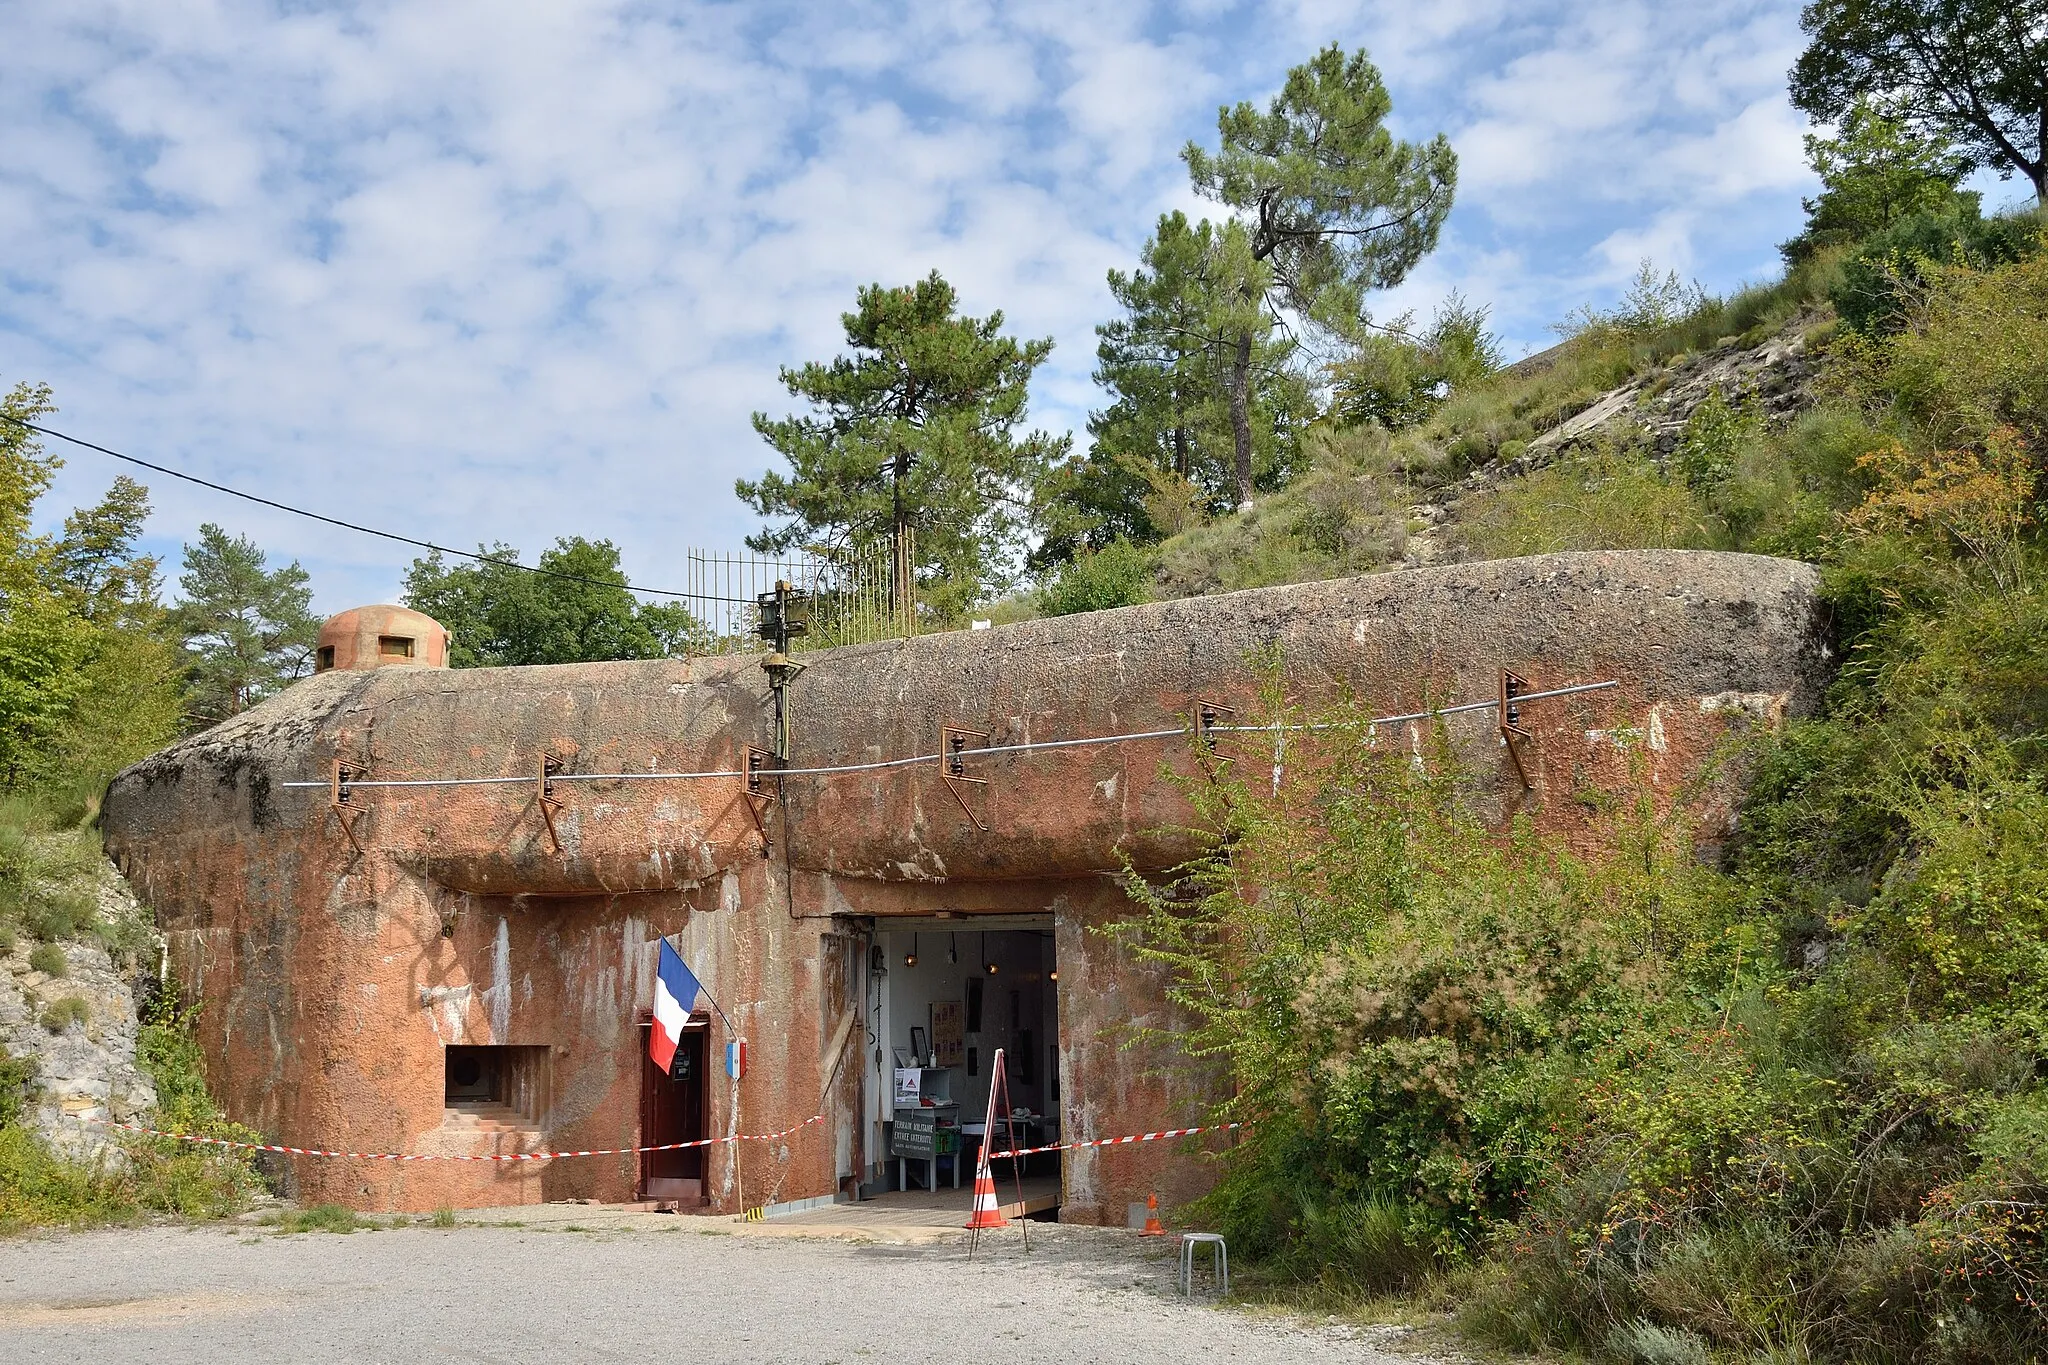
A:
[355,950]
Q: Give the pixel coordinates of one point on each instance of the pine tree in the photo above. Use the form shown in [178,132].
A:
[248,630]
[914,431]
[1162,457]
[1332,206]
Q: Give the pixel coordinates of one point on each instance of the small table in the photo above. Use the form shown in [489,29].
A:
[931,1169]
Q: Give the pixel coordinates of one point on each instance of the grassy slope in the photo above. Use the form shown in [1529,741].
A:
[1356,511]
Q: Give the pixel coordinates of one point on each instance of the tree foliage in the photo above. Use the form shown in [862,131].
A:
[1163,456]
[1397,377]
[88,676]
[499,614]
[1876,170]
[916,429]
[248,630]
[1970,72]
[1331,204]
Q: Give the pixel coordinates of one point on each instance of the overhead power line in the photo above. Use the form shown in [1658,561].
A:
[366,530]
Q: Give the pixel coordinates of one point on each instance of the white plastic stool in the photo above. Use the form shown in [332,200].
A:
[1219,1262]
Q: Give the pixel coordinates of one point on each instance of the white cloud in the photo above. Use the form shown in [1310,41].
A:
[478,271]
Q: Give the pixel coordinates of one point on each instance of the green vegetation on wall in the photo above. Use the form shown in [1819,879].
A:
[1784,1105]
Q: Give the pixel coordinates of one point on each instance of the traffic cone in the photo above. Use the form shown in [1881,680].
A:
[1152,1226]
[987,1213]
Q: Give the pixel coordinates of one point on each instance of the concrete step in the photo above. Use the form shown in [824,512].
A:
[480,1117]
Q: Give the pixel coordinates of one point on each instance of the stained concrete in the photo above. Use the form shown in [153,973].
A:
[339,952]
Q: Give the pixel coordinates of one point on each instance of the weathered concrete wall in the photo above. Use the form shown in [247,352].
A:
[331,987]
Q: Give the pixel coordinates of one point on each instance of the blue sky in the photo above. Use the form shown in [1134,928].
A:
[502,271]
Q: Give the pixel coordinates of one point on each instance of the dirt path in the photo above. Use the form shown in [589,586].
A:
[688,1291]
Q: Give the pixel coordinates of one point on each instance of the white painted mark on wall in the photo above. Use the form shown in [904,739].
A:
[499,997]
[446,1008]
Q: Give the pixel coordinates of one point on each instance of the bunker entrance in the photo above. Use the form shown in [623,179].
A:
[672,1110]
[945,996]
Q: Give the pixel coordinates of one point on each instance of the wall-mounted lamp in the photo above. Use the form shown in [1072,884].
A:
[986,964]
[1053,975]
[910,958]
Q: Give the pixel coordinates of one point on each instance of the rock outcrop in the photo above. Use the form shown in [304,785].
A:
[79,1029]
[1771,378]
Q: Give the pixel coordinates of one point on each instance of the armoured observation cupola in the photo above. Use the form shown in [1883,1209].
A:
[381,637]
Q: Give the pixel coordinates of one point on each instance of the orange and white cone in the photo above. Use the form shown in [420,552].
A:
[987,1213]
[1153,1227]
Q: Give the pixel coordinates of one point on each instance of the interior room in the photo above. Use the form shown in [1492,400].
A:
[945,996]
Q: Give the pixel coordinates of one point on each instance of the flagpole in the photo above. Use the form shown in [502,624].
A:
[738,1169]
[702,988]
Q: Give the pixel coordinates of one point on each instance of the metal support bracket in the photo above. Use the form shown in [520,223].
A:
[1209,715]
[549,802]
[953,767]
[759,798]
[341,799]
[1512,686]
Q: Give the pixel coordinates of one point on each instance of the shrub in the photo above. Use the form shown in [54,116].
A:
[1880,277]
[17,1074]
[61,1014]
[49,959]
[1117,575]
[1610,500]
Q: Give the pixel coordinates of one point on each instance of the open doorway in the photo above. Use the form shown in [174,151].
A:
[672,1110]
[945,997]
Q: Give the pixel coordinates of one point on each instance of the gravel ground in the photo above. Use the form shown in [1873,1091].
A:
[563,1294]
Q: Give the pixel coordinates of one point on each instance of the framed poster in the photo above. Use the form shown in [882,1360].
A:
[949,1033]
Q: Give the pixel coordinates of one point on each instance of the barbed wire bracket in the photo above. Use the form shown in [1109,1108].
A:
[341,798]
[1209,717]
[549,802]
[1512,686]
[757,795]
[953,767]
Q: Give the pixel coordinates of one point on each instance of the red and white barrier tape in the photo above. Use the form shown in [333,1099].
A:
[440,1156]
[1120,1141]
[631,1151]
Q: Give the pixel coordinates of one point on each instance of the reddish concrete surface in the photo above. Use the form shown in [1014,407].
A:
[382,636]
[333,976]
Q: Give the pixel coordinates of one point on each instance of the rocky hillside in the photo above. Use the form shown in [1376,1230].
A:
[76,951]
[1650,412]
[1371,500]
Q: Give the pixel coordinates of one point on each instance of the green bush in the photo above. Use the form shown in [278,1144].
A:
[1879,277]
[61,1014]
[17,1074]
[1612,499]
[49,959]
[1117,575]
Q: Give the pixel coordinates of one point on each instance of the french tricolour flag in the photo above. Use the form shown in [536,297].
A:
[675,995]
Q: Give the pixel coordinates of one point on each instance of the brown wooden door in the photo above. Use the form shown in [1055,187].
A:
[672,1110]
